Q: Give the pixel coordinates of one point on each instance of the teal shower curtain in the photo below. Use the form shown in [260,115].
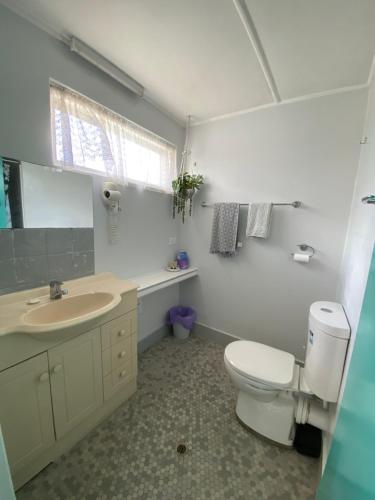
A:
[350,469]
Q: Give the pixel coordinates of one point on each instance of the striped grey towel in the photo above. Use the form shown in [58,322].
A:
[259,220]
[224,229]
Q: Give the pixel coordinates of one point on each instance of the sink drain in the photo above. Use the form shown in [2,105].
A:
[181,449]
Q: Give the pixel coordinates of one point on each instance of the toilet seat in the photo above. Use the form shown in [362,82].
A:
[265,367]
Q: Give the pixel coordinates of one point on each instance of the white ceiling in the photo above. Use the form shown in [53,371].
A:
[195,57]
[316,45]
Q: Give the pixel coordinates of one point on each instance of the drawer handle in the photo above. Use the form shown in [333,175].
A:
[122,354]
[43,377]
[122,374]
[121,333]
[57,368]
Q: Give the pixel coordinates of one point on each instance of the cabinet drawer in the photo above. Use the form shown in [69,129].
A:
[117,355]
[118,379]
[118,329]
[121,352]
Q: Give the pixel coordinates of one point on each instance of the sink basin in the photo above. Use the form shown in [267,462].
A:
[69,311]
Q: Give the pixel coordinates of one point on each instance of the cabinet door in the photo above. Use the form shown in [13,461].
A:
[76,380]
[26,411]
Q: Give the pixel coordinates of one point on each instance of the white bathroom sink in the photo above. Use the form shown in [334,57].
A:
[68,311]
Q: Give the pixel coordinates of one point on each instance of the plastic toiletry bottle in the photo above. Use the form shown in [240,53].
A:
[182,260]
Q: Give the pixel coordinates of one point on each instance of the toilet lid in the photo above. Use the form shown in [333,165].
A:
[261,362]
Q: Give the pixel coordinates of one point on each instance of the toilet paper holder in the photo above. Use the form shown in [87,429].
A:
[305,248]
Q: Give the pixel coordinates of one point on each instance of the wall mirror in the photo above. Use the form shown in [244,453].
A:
[39,196]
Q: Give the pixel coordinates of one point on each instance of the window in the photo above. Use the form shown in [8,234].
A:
[89,138]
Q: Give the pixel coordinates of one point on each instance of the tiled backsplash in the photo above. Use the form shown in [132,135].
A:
[33,257]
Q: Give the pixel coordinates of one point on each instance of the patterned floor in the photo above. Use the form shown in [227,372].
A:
[184,396]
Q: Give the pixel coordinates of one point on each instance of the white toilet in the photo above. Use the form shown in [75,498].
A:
[275,393]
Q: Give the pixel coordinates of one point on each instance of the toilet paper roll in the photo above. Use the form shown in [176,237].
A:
[301,257]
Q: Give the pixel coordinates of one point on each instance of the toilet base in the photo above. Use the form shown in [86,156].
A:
[272,419]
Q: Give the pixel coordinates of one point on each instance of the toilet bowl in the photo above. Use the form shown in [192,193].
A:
[274,392]
[266,379]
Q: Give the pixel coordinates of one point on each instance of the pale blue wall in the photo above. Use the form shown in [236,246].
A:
[304,151]
[28,58]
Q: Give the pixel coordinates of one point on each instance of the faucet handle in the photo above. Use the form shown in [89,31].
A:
[55,291]
[56,283]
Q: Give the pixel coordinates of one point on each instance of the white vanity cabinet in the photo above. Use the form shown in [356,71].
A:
[76,380]
[26,411]
[49,401]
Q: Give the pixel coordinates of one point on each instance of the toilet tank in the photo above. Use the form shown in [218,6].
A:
[327,342]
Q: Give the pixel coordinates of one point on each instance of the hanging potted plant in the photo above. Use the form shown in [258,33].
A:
[185,185]
[184,188]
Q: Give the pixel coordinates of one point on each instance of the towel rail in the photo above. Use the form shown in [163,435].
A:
[295,204]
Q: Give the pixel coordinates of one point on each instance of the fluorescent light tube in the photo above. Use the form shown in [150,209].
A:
[106,66]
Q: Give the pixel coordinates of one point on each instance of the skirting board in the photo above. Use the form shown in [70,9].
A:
[199,330]
[153,338]
[213,335]
[223,338]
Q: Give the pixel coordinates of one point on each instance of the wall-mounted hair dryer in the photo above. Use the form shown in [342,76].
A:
[111,198]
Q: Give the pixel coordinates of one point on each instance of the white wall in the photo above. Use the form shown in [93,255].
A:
[29,58]
[304,151]
[361,230]
[359,243]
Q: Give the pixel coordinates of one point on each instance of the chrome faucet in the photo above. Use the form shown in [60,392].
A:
[55,290]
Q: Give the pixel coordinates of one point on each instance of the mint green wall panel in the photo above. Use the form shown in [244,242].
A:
[3,212]
[350,469]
